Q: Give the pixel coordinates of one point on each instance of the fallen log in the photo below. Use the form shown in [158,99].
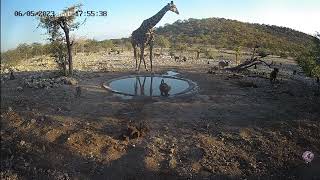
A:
[247,64]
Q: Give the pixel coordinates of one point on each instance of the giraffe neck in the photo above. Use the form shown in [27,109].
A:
[151,22]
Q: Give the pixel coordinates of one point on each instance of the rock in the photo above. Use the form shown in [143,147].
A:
[70,81]
[10,109]
[133,132]
[22,143]
[173,163]
[19,88]
[125,138]
[172,150]
[5,71]
[33,121]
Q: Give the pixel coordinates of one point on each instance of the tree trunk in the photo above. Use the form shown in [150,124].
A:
[65,66]
[237,59]
[66,31]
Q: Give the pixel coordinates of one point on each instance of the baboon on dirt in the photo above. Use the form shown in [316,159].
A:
[294,72]
[78,91]
[164,88]
[176,58]
[156,54]
[184,58]
[223,64]
[12,77]
[273,75]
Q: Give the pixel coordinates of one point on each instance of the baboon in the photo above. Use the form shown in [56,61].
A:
[255,66]
[156,54]
[223,64]
[273,75]
[164,88]
[280,64]
[208,62]
[317,90]
[78,91]
[12,77]
[294,72]
[184,58]
[171,54]
[176,58]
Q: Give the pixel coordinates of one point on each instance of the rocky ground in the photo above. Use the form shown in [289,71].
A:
[238,126]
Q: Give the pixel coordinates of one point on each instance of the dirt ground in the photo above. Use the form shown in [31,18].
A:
[236,127]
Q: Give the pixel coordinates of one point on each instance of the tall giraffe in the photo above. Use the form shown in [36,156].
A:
[144,35]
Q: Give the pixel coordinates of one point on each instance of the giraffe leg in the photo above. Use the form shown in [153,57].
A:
[151,53]
[135,55]
[145,65]
[141,56]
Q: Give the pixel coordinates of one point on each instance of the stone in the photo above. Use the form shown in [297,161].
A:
[173,163]
[19,88]
[133,132]
[70,81]
[33,121]
[5,71]
[10,109]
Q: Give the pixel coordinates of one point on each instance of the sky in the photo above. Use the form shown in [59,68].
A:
[124,16]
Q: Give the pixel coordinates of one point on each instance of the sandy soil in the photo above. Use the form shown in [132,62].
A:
[228,130]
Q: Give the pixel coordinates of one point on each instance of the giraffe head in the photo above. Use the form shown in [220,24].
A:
[172,7]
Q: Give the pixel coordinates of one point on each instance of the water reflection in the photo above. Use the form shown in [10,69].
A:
[149,86]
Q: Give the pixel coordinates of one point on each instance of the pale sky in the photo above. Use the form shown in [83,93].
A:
[124,16]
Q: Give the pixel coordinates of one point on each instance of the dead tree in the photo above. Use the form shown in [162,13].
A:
[253,61]
[248,63]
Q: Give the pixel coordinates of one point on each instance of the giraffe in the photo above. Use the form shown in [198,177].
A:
[144,35]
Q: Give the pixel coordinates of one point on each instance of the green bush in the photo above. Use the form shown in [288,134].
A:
[309,61]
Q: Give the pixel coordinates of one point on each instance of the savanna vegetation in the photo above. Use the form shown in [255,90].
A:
[201,35]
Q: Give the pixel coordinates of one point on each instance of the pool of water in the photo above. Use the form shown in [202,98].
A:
[149,85]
